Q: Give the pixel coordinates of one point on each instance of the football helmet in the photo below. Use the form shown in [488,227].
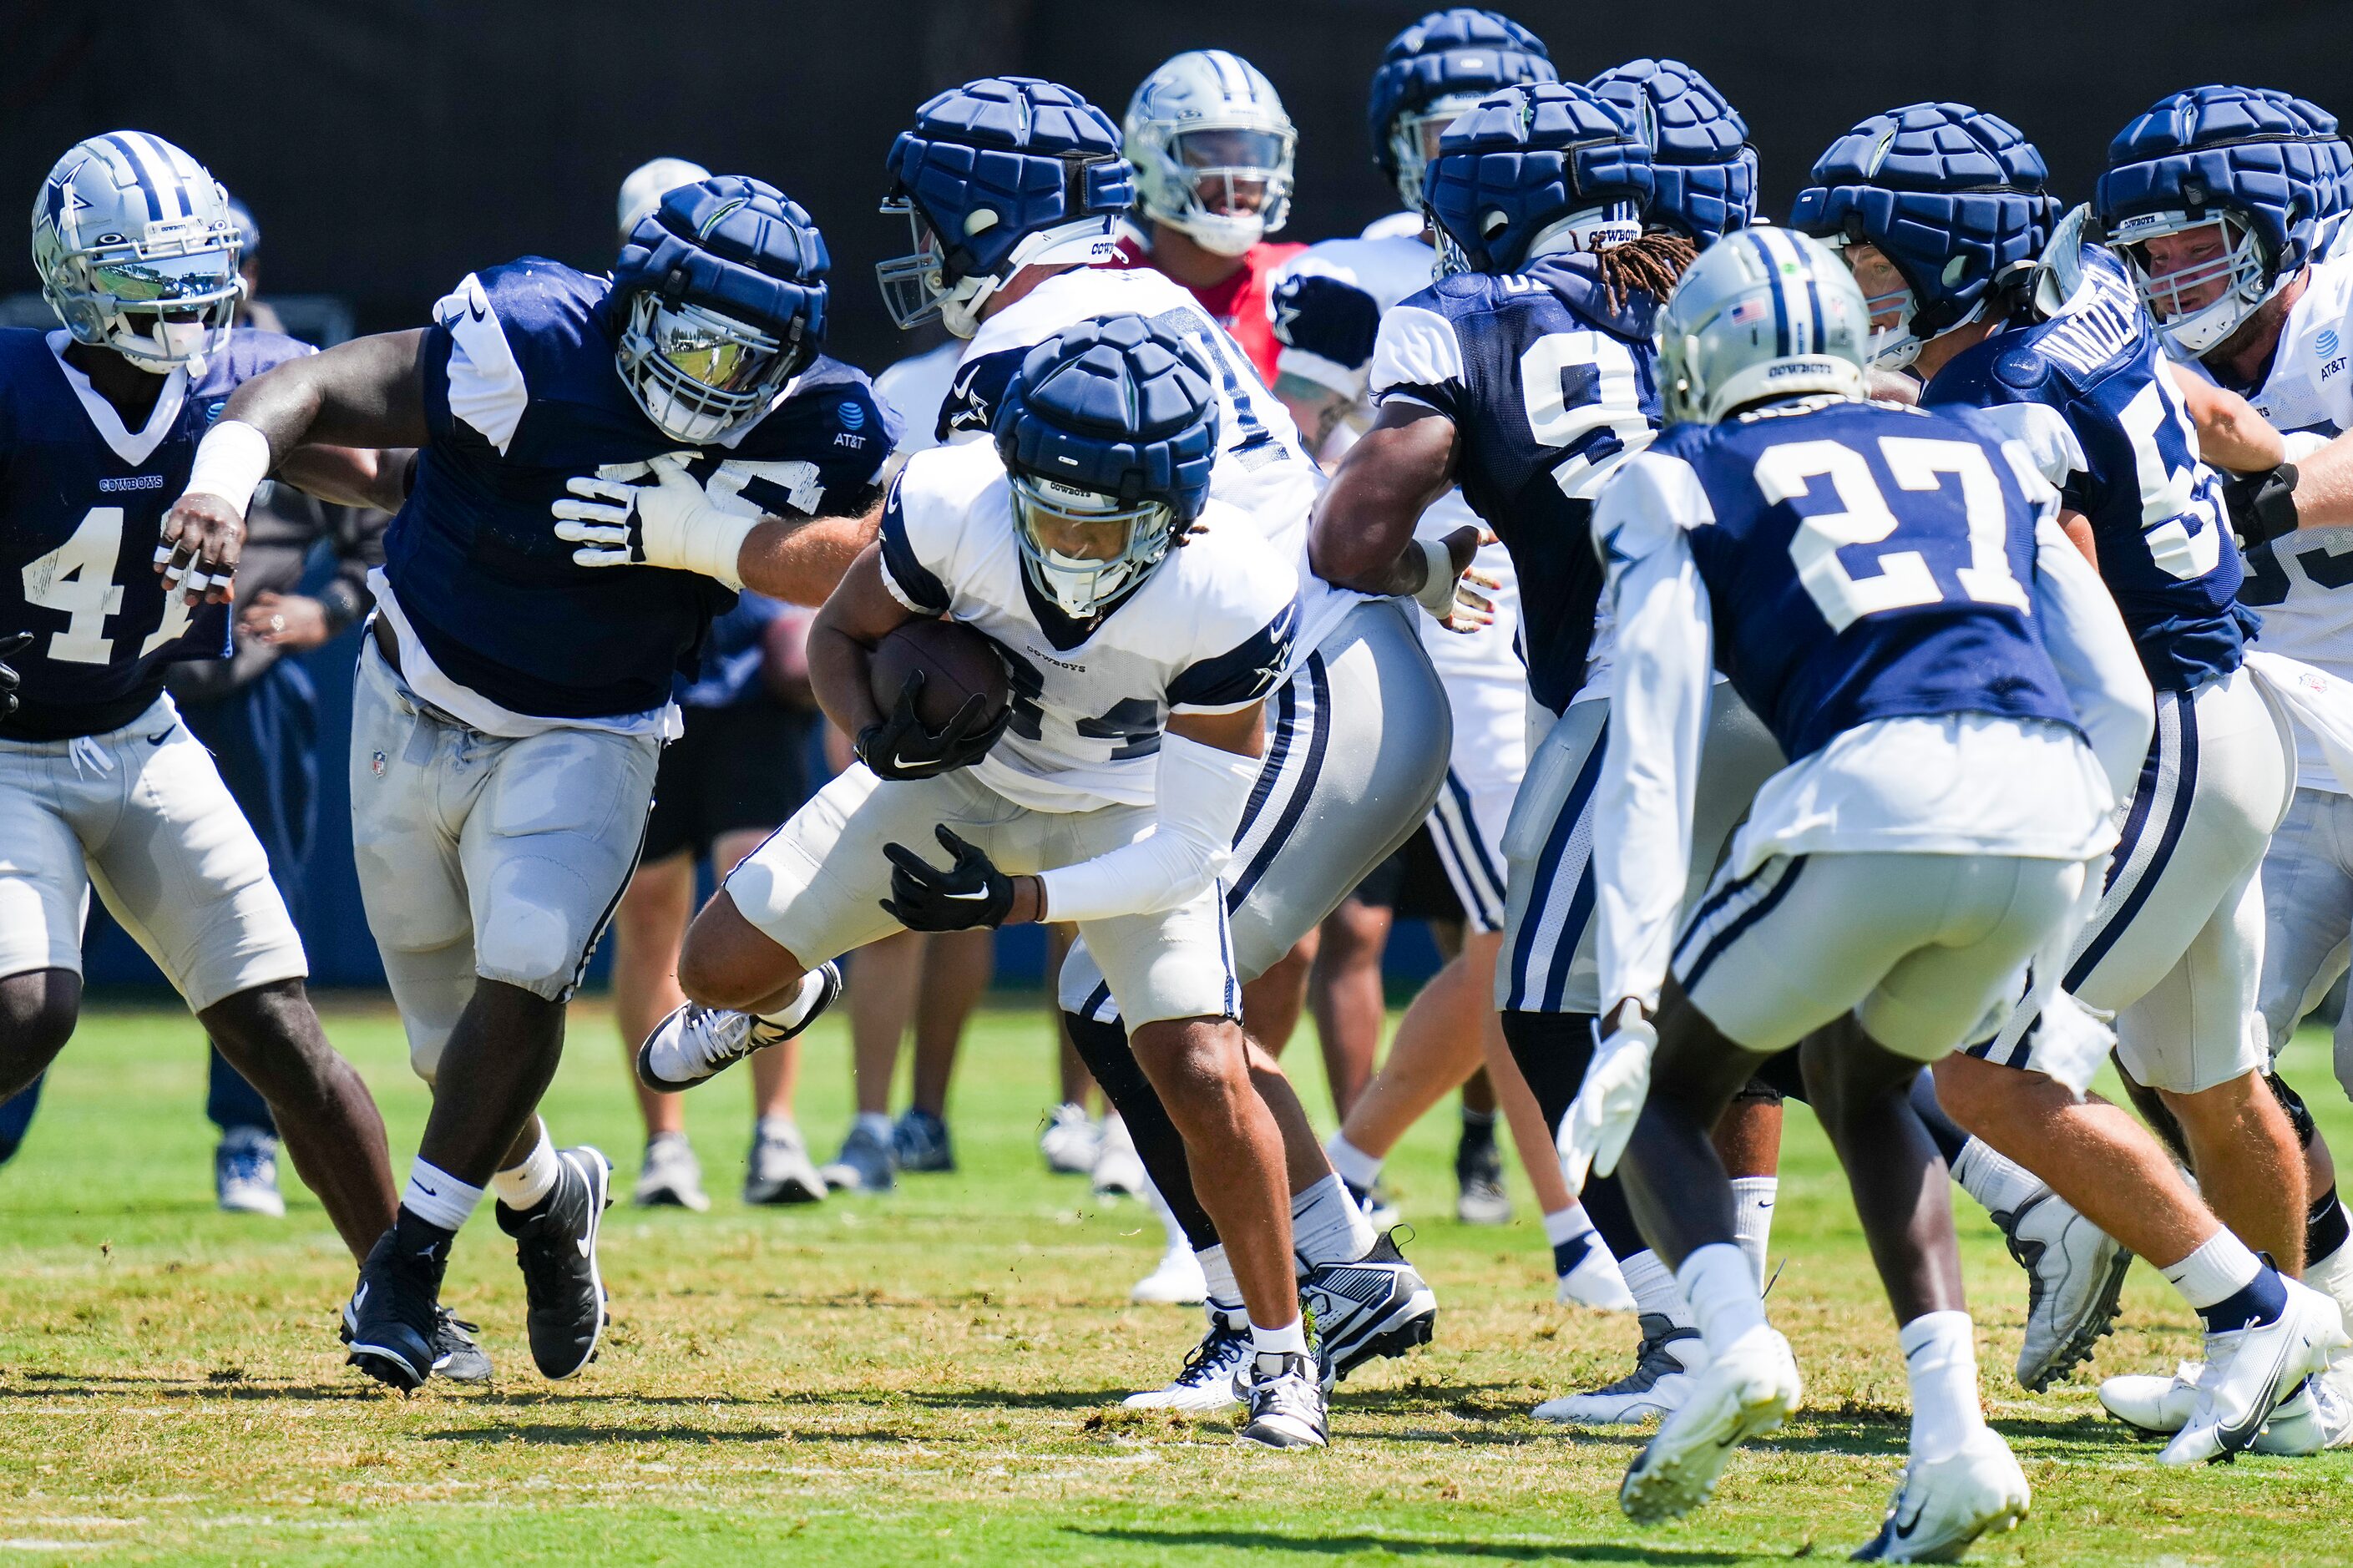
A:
[1534,170]
[722,293]
[1705,168]
[1952,200]
[996,176]
[2258,176]
[1434,70]
[1212,149]
[137,249]
[643,188]
[1767,312]
[1108,432]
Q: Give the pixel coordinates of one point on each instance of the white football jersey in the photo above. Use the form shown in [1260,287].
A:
[1209,631]
[1263,467]
[915,388]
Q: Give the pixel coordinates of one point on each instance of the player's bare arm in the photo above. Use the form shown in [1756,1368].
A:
[1362,537]
[376,479]
[802,560]
[859,613]
[2231,434]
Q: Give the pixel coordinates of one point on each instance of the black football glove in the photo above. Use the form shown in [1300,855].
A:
[2261,506]
[9,678]
[900,747]
[970,893]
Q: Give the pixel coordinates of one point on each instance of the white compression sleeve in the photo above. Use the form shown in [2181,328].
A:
[1201,791]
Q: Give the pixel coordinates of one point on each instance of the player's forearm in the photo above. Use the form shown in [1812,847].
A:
[1201,793]
[1362,537]
[2231,434]
[368,478]
[1315,408]
[861,613]
[2324,485]
[802,561]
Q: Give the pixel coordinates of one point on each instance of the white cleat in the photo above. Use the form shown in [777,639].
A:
[1745,1391]
[1940,1507]
[669,1176]
[2160,1407]
[1070,1140]
[778,1170]
[1286,1405]
[1176,1282]
[2075,1273]
[1659,1382]
[694,1044]
[1206,1383]
[2251,1371]
[2315,1418]
[1118,1170]
[1585,1275]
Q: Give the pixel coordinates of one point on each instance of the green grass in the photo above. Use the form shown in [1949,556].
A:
[932,1377]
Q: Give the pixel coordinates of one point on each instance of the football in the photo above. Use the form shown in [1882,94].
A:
[958,662]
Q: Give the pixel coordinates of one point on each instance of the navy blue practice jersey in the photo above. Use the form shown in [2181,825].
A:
[522,394]
[1862,561]
[81,509]
[1547,388]
[2155,512]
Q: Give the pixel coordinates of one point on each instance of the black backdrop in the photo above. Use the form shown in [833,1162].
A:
[391,146]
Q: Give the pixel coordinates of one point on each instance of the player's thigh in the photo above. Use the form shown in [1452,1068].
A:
[2197,1025]
[2307,881]
[1356,752]
[1176,963]
[816,886]
[1466,833]
[547,848]
[183,873]
[1941,995]
[404,765]
[1738,754]
[1549,849]
[43,884]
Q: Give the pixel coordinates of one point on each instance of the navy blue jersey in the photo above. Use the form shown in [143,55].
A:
[732,654]
[522,394]
[81,509]
[1862,561]
[1547,388]
[2155,512]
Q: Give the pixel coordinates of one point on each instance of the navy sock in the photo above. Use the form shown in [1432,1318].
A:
[2262,1300]
[2326,1228]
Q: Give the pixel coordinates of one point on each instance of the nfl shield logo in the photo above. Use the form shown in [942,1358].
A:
[375,765]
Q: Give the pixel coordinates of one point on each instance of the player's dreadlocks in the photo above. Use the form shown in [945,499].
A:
[1652,264]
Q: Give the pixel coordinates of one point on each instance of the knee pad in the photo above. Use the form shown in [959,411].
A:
[2299,1116]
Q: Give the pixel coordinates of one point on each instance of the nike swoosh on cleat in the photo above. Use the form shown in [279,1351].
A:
[582,1243]
[159,740]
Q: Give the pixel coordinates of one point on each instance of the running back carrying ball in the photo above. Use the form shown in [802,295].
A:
[945,696]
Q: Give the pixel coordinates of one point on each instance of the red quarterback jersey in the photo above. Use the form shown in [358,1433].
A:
[1239,303]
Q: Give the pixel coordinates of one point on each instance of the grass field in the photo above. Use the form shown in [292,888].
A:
[932,1377]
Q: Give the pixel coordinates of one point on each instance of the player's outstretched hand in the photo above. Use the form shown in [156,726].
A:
[9,678]
[1601,1118]
[899,747]
[202,537]
[669,521]
[970,892]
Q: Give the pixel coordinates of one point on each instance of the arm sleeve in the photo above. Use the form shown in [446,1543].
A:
[2094,657]
[1418,357]
[1658,710]
[912,581]
[1201,795]
[2049,441]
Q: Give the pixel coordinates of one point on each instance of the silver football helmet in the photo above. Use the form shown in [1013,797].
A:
[1764,312]
[1213,150]
[137,249]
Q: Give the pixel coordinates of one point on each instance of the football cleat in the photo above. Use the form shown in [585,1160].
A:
[1661,1380]
[1375,1306]
[1742,1394]
[2251,1371]
[1585,1274]
[1940,1507]
[245,1174]
[669,1176]
[1479,1196]
[778,1170]
[1176,1281]
[457,1354]
[2074,1274]
[1285,1399]
[2160,1407]
[864,1165]
[919,1143]
[1206,1382]
[394,1315]
[695,1043]
[1070,1140]
[2316,1417]
[556,1248]
[1119,1169]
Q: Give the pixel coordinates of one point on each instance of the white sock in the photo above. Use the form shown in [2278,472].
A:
[1326,1226]
[2215,1272]
[1291,1339]
[773,1126]
[795,1012]
[1567,1224]
[874,1122]
[1352,1164]
[1169,1225]
[526,1185]
[1656,1289]
[1218,1274]
[2000,1184]
[2333,1276]
[1752,1217]
[1722,1290]
[437,1198]
[1940,1358]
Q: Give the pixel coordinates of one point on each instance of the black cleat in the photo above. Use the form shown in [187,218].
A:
[556,1248]
[394,1312]
[457,1355]
[1376,1306]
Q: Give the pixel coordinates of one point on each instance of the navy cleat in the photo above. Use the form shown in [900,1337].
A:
[556,1248]
[394,1312]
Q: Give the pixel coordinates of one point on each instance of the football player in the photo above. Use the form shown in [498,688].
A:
[1212,151]
[515,690]
[1355,750]
[100,784]
[1890,590]
[1085,543]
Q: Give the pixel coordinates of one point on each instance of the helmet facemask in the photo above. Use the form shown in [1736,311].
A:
[698,373]
[1413,140]
[917,290]
[1234,184]
[158,303]
[2239,274]
[1086,550]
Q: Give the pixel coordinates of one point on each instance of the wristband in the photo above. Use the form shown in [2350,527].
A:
[1436,594]
[231,462]
[715,546]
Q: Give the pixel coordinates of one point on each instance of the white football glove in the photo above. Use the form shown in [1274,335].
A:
[667,522]
[1454,598]
[1601,1118]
